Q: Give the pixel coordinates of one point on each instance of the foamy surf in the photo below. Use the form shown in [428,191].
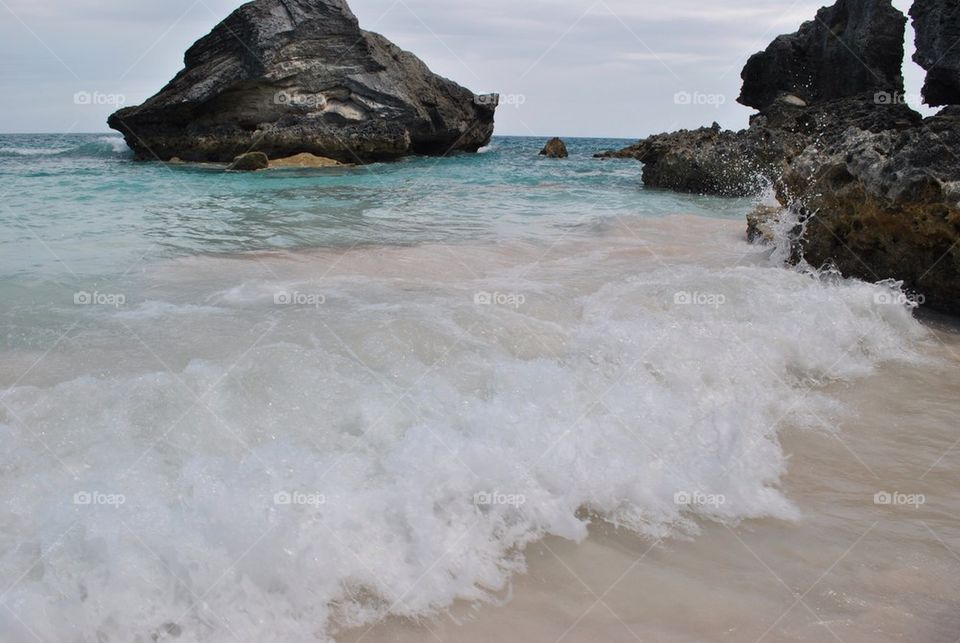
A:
[104,146]
[319,440]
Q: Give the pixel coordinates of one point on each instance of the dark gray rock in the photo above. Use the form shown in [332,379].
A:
[725,163]
[851,48]
[554,149]
[884,205]
[250,162]
[708,160]
[937,23]
[290,76]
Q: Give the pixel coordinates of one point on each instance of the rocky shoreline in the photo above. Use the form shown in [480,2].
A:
[874,186]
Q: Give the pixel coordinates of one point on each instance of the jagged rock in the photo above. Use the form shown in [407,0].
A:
[554,149]
[881,205]
[851,48]
[937,23]
[708,160]
[289,76]
[842,69]
[725,163]
[250,162]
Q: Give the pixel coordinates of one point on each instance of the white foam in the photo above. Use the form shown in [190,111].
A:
[600,397]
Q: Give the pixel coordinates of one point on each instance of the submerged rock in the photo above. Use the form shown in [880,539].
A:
[851,48]
[555,149]
[304,160]
[289,76]
[250,162]
[937,23]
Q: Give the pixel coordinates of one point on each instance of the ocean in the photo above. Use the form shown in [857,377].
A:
[489,396]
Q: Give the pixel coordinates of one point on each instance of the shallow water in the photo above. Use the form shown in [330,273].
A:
[292,405]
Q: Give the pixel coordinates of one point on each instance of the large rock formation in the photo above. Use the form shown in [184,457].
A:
[851,48]
[882,205]
[725,163]
[937,23]
[709,160]
[290,76]
[871,188]
[840,70]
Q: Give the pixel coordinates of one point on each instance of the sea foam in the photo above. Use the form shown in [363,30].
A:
[273,471]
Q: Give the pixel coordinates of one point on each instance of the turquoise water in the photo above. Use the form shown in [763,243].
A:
[79,215]
[81,202]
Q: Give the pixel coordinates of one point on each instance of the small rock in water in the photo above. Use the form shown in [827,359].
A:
[554,149]
[304,160]
[250,162]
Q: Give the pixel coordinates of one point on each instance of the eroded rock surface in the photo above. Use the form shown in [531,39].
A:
[555,149]
[851,48]
[290,76]
[937,24]
[885,205]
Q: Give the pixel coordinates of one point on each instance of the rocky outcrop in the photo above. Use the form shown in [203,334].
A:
[555,149]
[708,160]
[284,77]
[884,205]
[851,48]
[250,162]
[869,187]
[840,70]
[937,23]
[725,163]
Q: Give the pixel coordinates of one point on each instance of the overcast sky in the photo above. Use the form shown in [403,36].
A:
[567,67]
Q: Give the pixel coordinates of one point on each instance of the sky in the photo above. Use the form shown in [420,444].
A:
[604,68]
